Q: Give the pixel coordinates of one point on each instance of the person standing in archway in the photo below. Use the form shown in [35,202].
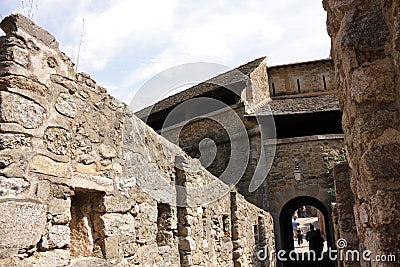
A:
[315,241]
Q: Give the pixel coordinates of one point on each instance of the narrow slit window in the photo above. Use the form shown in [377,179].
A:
[298,86]
[273,89]
[256,235]
[323,79]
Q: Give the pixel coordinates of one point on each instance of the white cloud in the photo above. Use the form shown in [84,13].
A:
[127,41]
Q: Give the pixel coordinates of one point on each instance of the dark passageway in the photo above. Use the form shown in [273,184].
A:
[285,221]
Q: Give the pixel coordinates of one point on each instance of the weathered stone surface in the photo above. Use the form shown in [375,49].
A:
[13,24]
[15,108]
[57,257]
[25,216]
[118,224]
[57,140]
[45,165]
[67,83]
[57,237]
[5,160]
[101,215]
[87,168]
[66,105]
[12,185]
[60,210]
[117,203]
[365,48]
[12,141]
[88,181]
[15,54]
[111,247]
[60,191]
[23,83]
[107,151]
[373,82]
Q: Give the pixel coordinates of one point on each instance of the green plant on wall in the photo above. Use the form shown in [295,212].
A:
[332,161]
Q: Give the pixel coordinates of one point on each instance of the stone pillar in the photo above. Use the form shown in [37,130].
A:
[366,51]
[186,243]
[235,232]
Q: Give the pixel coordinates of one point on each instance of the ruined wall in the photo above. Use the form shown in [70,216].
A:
[309,76]
[74,163]
[365,49]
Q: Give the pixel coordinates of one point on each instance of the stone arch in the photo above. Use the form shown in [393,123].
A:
[285,218]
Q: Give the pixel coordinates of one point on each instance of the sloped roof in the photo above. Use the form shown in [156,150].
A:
[300,104]
[240,74]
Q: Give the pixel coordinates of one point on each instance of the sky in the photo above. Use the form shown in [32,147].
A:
[123,43]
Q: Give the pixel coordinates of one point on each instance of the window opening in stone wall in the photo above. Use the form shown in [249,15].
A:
[273,89]
[205,224]
[298,86]
[256,235]
[164,225]
[323,79]
[87,229]
[226,224]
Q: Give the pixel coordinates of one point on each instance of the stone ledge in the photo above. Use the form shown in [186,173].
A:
[14,23]
[305,139]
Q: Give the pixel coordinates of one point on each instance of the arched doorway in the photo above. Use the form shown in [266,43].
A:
[285,220]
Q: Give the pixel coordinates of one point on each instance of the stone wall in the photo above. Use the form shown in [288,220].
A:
[365,49]
[344,226]
[315,156]
[78,171]
[314,76]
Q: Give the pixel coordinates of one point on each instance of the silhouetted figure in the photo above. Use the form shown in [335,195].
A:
[301,212]
[315,241]
[299,235]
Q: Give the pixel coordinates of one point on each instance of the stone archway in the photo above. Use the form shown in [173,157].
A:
[285,218]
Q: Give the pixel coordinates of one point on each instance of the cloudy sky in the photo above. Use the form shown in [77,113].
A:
[126,42]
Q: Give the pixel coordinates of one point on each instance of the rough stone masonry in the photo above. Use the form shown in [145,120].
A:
[71,162]
[366,51]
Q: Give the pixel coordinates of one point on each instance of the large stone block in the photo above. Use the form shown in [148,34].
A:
[87,181]
[12,141]
[23,83]
[22,223]
[66,105]
[57,237]
[118,224]
[14,23]
[17,109]
[60,210]
[45,165]
[57,140]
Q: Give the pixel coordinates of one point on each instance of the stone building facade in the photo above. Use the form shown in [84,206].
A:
[296,111]
[78,172]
